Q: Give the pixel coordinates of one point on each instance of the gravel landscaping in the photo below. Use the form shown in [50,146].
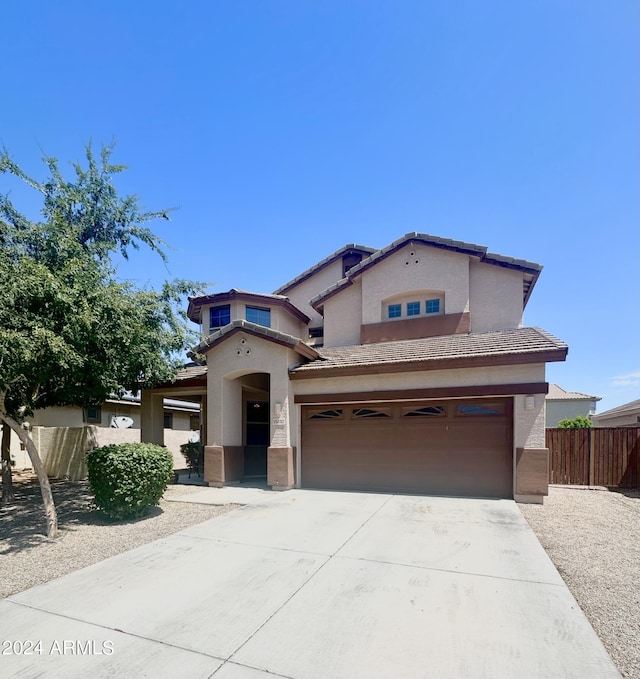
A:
[593,538]
[28,558]
[591,535]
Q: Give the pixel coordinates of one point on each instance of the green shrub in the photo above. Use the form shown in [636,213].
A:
[127,480]
[580,422]
[192,453]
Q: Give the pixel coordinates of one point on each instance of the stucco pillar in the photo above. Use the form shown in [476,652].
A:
[152,418]
[532,475]
[214,466]
[280,454]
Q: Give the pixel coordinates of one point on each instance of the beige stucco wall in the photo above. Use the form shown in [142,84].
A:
[238,356]
[69,416]
[63,449]
[558,410]
[624,420]
[529,422]
[416,267]
[424,380]
[495,297]
[58,417]
[303,292]
[281,319]
[343,317]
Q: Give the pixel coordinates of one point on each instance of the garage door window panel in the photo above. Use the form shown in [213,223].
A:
[425,411]
[334,414]
[371,413]
[479,409]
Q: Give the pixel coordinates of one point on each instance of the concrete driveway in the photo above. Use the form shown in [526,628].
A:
[320,585]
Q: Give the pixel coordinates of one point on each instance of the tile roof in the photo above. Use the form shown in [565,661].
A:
[194,309]
[531,270]
[557,393]
[521,345]
[190,372]
[324,262]
[625,408]
[259,331]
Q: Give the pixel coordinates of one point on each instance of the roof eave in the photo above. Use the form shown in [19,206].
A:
[259,331]
[545,356]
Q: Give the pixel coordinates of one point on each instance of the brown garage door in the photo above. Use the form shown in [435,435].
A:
[461,447]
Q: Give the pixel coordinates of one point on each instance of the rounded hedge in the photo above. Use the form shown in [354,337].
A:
[127,480]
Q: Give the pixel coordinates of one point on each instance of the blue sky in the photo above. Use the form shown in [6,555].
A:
[283,130]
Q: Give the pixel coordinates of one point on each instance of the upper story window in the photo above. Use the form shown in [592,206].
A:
[432,306]
[395,310]
[414,304]
[413,308]
[219,316]
[259,316]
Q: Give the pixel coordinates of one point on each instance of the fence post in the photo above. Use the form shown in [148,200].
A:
[592,458]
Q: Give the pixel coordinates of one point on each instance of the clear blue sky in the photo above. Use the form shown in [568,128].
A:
[284,129]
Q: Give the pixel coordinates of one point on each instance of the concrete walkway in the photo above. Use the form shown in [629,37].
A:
[241,494]
[316,585]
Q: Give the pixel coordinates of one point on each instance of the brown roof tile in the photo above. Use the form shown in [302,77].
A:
[557,393]
[530,270]
[270,334]
[519,345]
[362,249]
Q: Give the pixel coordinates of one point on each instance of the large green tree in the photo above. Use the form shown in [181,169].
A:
[71,333]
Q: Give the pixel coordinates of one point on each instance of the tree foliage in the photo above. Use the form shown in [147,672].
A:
[71,333]
[579,422]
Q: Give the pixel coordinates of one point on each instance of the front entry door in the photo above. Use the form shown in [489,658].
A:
[257,438]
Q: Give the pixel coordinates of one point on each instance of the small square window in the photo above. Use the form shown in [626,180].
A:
[432,306]
[413,308]
[259,316]
[395,310]
[168,421]
[93,415]
[219,316]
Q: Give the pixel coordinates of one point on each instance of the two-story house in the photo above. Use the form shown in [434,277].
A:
[405,369]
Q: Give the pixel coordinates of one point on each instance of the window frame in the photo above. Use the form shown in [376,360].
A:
[92,418]
[431,312]
[413,309]
[213,327]
[394,311]
[260,310]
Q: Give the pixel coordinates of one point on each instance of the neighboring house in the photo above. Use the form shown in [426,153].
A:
[627,415]
[116,421]
[561,404]
[405,369]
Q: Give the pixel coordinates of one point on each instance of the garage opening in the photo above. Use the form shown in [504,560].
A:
[448,447]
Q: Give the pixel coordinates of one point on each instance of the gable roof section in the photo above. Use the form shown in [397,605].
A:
[501,347]
[557,393]
[193,375]
[269,334]
[196,303]
[630,408]
[352,247]
[531,270]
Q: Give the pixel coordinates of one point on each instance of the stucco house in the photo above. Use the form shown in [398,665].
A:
[626,415]
[563,404]
[405,369]
[64,433]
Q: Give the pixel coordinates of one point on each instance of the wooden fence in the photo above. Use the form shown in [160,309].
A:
[595,457]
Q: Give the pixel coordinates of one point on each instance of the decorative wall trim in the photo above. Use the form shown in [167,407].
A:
[418,394]
[415,328]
